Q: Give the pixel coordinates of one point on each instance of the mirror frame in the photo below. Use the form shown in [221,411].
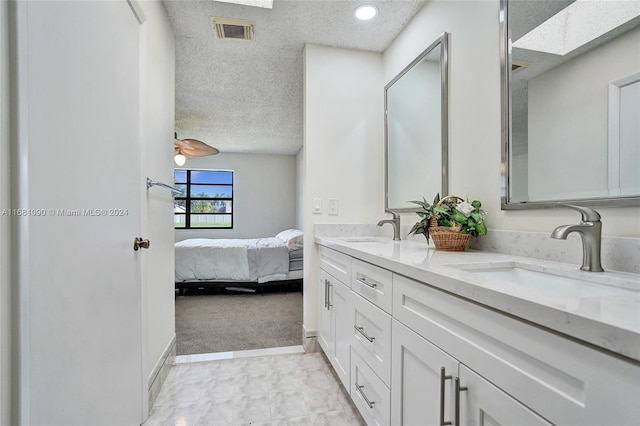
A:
[443,41]
[505,168]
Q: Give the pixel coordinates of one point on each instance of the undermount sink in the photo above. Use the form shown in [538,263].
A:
[580,284]
[366,240]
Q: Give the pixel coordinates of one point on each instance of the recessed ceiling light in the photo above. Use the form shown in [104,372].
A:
[578,24]
[366,12]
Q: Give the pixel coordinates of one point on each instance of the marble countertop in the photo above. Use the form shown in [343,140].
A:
[606,319]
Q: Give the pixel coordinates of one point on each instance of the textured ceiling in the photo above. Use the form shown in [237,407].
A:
[246,96]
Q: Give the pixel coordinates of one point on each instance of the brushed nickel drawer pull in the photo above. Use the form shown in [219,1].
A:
[361,330]
[443,378]
[326,292]
[363,280]
[361,392]
[457,408]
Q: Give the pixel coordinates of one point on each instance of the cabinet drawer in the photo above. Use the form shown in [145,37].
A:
[371,336]
[560,379]
[372,283]
[369,393]
[336,263]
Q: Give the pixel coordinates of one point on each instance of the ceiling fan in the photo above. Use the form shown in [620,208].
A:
[190,147]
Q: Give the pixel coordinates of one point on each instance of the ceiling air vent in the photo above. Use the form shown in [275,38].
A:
[517,65]
[236,29]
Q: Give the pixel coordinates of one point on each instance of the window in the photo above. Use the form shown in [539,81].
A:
[206,201]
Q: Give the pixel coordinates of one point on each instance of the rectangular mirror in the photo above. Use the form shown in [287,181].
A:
[570,103]
[416,128]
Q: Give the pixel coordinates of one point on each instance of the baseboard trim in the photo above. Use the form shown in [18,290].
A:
[161,370]
[309,333]
[250,353]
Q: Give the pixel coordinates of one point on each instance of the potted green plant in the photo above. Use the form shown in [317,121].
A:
[451,221]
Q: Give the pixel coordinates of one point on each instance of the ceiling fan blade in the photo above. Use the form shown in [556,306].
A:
[194,148]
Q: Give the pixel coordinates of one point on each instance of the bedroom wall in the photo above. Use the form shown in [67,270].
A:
[264,194]
[158,76]
[342,155]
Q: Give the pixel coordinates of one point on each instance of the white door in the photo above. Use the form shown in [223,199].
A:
[483,404]
[422,378]
[78,167]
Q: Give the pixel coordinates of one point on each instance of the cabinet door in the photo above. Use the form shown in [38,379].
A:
[324,313]
[342,318]
[481,403]
[421,392]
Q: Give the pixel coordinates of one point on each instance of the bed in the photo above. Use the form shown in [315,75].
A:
[239,263]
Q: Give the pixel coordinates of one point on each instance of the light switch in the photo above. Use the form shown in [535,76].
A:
[333,206]
[317,205]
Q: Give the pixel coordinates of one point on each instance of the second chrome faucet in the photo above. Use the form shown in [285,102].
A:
[590,231]
[395,222]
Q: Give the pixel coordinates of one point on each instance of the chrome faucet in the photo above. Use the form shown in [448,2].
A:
[590,230]
[395,222]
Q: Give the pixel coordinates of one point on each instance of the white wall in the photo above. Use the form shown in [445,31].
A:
[571,145]
[5,261]
[474,113]
[342,156]
[157,115]
[264,200]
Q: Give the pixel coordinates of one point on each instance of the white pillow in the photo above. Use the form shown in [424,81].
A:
[293,238]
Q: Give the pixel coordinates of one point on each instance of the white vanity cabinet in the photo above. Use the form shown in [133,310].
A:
[432,388]
[422,356]
[336,312]
[563,381]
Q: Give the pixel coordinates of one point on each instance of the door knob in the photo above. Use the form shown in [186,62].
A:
[139,243]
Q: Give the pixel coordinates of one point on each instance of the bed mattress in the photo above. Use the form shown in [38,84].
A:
[245,260]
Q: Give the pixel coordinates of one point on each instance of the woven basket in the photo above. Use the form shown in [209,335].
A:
[448,238]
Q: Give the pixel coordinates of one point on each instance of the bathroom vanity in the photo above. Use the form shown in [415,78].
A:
[423,337]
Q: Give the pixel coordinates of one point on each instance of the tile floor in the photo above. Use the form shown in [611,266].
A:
[272,390]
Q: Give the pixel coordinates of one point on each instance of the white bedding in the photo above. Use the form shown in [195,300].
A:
[203,259]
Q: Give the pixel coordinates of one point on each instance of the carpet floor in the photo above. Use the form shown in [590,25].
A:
[210,321]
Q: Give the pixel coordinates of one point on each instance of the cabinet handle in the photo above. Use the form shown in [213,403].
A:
[326,293]
[329,305]
[458,390]
[361,330]
[363,279]
[443,378]
[361,392]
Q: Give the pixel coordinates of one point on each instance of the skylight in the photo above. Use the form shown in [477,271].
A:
[267,4]
[578,24]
